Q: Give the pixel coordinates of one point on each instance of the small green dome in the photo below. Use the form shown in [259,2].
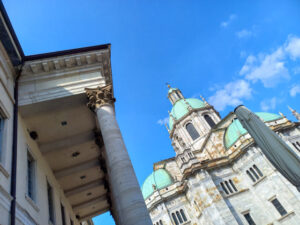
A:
[180,108]
[160,178]
[235,129]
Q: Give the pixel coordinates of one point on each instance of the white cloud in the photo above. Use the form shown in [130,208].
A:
[163,121]
[268,68]
[295,90]
[231,94]
[229,21]
[296,70]
[244,33]
[268,104]
[292,47]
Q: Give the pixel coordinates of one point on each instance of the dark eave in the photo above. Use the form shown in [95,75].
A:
[9,39]
[66,52]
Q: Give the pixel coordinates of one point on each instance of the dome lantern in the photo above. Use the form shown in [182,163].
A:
[174,94]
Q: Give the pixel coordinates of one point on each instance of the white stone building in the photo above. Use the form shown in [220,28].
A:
[62,156]
[219,175]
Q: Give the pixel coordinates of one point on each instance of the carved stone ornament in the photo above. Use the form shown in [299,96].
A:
[99,96]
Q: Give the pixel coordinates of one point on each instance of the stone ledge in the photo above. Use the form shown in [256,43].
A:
[4,171]
[236,193]
[32,203]
[262,178]
[286,215]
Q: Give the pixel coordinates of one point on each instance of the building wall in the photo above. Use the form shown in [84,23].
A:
[6,112]
[27,211]
[206,202]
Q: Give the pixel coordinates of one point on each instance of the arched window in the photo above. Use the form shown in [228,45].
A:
[179,217]
[250,175]
[192,131]
[224,188]
[229,188]
[209,120]
[233,186]
[183,215]
[257,170]
[175,219]
[253,172]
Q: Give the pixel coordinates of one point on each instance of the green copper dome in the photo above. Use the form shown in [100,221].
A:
[235,129]
[180,108]
[160,178]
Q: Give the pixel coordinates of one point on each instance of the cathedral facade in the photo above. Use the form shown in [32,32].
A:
[219,175]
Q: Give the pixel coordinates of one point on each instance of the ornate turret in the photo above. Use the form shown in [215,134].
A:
[295,113]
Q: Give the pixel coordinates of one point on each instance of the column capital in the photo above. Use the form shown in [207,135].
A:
[99,96]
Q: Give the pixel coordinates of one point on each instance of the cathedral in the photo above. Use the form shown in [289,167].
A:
[218,174]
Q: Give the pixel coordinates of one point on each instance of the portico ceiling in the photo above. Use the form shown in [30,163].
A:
[65,129]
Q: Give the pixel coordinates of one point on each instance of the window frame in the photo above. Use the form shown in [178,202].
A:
[278,206]
[31,176]
[211,123]
[194,134]
[249,218]
[51,203]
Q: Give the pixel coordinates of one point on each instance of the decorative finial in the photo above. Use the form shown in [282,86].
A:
[292,110]
[281,114]
[203,99]
[168,85]
[167,127]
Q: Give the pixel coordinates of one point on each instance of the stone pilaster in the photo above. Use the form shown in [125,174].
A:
[127,197]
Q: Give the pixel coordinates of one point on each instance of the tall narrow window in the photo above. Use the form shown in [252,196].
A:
[175,219]
[253,172]
[1,135]
[232,185]
[183,215]
[192,131]
[229,188]
[298,143]
[209,120]
[249,219]
[279,207]
[250,175]
[50,203]
[160,222]
[295,146]
[258,170]
[71,222]
[224,188]
[179,217]
[30,176]
[63,215]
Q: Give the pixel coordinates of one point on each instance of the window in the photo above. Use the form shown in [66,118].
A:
[179,217]
[175,219]
[183,159]
[158,223]
[296,145]
[209,120]
[254,173]
[50,203]
[30,176]
[190,155]
[71,222]
[192,131]
[1,133]
[228,187]
[279,207]
[249,219]
[183,215]
[63,215]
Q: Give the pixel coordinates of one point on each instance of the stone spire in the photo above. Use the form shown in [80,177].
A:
[295,113]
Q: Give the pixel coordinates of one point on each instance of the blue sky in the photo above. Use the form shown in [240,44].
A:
[231,52]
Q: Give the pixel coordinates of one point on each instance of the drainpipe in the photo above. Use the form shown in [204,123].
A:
[14,151]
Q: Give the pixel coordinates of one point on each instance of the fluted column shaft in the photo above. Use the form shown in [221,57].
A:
[130,205]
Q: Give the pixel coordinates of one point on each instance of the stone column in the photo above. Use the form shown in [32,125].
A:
[130,205]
